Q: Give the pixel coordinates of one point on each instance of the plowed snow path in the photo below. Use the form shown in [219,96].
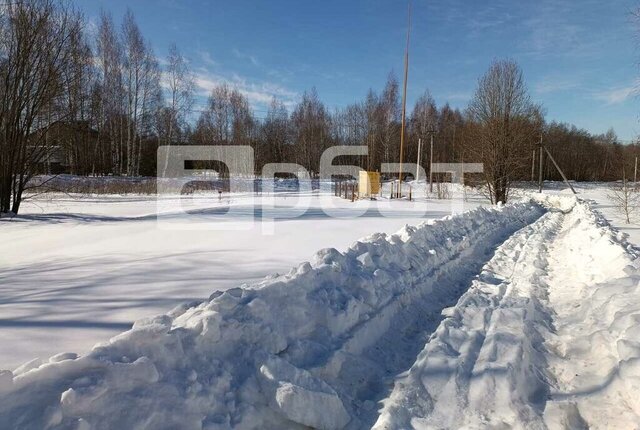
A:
[525,317]
[546,337]
[594,345]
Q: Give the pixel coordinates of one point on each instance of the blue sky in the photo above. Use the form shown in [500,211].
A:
[580,57]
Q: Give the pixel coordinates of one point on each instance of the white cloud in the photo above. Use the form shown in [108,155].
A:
[258,93]
[206,58]
[244,56]
[554,85]
[617,95]
[556,28]
[458,97]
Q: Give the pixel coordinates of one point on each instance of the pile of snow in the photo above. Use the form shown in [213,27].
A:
[482,367]
[310,348]
[594,346]
[546,337]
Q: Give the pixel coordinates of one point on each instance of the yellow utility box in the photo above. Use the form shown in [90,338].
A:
[369,184]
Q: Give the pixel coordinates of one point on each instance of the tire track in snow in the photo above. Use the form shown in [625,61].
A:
[484,366]
[547,337]
[365,366]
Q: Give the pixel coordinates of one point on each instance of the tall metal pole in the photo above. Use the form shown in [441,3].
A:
[404,99]
[533,166]
[418,164]
[431,166]
[540,168]
[635,172]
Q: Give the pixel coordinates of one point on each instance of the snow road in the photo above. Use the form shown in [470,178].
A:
[526,316]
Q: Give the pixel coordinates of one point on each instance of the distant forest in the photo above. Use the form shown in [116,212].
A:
[100,103]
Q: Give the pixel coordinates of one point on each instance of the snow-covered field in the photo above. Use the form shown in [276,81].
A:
[526,316]
[75,270]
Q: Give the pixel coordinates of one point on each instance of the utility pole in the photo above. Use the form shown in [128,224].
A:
[431,166]
[404,99]
[543,149]
[564,178]
[533,166]
[540,169]
[418,164]
[635,172]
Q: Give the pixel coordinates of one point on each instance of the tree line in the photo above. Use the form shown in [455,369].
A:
[104,103]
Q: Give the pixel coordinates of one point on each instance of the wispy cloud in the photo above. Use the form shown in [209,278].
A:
[489,18]
[556,28]
[555,84]
[458,97]
[258,93]
[616,95]
[207,59]
[244,56]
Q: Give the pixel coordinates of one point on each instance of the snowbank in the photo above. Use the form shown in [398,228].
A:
[545,337]
[292,351]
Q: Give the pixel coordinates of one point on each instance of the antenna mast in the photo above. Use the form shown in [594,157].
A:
[404,99]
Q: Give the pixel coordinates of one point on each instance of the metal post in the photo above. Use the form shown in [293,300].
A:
[418,164]
[635,172]
[431,167]
[540,167]
[533,166]
[404,99]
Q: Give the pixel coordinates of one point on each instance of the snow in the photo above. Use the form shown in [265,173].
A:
[520,316]
[307,331]
[536,341]
[82,269]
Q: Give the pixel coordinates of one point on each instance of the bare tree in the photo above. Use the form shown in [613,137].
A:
[218,116]
[388,118]
[78,78]
[311,128]
[110,58]
[180,84]
[370,110]
[150,103]
[134,56]
[142,88]
[423,121]
[275,134]
[624,198]
[506,124]
[36,45]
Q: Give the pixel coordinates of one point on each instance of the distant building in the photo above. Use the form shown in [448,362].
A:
[53,161]
[66,147]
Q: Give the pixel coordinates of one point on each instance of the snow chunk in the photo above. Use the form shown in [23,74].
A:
[301,397]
